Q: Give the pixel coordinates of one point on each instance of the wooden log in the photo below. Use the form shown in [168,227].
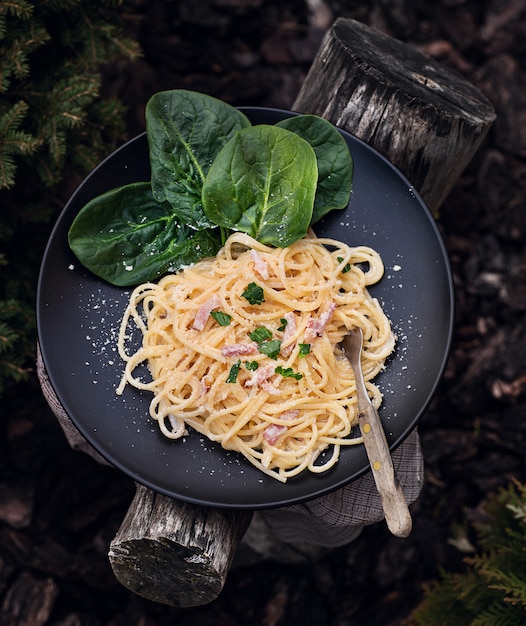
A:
[427,120]
[165,550]
[173,552]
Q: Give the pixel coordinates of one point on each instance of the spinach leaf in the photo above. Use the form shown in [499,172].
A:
[126,237]
[185,131]
[210,168]
[335,164]
[263,183]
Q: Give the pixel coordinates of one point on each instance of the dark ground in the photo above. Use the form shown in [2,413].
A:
[59,509]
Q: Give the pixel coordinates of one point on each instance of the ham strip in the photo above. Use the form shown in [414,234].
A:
[290,329]
[204,311]
[269,388]
[260,376]
[239,349]
[260,265]
[291,414]
[316,326]
[272,433]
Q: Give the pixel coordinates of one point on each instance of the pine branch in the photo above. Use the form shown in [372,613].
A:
[12,119]
[13,141]
[8,336]
[492,590]
[19,8]
[498,614]
[53,126]
[511,584]
[23,43]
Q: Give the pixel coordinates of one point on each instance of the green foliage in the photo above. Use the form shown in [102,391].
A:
[210,167]
[142,239]
[263,183]
[492,590]
[335,168]
[186,131]
[54,128]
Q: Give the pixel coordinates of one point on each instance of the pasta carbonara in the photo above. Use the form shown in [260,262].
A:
[243,348]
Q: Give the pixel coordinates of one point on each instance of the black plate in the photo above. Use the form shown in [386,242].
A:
[78,318]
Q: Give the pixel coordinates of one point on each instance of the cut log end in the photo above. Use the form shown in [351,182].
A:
[174,552]
[405,69]
[167,572]
[424,118]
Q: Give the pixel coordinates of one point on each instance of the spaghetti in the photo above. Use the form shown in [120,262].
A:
[243,348]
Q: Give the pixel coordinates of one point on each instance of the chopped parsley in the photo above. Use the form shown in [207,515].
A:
[261,333]
[347,267]
[223,319]
[251,365]
[283,324]
[304,349]
[270,348]
[254,294]
[234,371]
[288,372]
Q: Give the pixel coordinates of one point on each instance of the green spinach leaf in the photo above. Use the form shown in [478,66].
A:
[185,131]
[126,237]
[335,164]
[263,183]
[210,168]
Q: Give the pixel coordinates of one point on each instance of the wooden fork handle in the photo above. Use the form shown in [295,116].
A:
[395,508]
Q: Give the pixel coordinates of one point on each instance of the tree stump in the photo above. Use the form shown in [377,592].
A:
[428,122]
[173,552]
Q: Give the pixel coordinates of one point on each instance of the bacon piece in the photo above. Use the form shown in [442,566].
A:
[239,349]
[260,265]
[316,326]
[272,433]
[269,388]
[204,311]
[290,329]
[260,376]
[291,414]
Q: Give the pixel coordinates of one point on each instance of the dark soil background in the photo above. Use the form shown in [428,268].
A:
[59,509]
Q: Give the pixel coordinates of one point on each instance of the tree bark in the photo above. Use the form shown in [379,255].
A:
[173,552]
[427,120]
